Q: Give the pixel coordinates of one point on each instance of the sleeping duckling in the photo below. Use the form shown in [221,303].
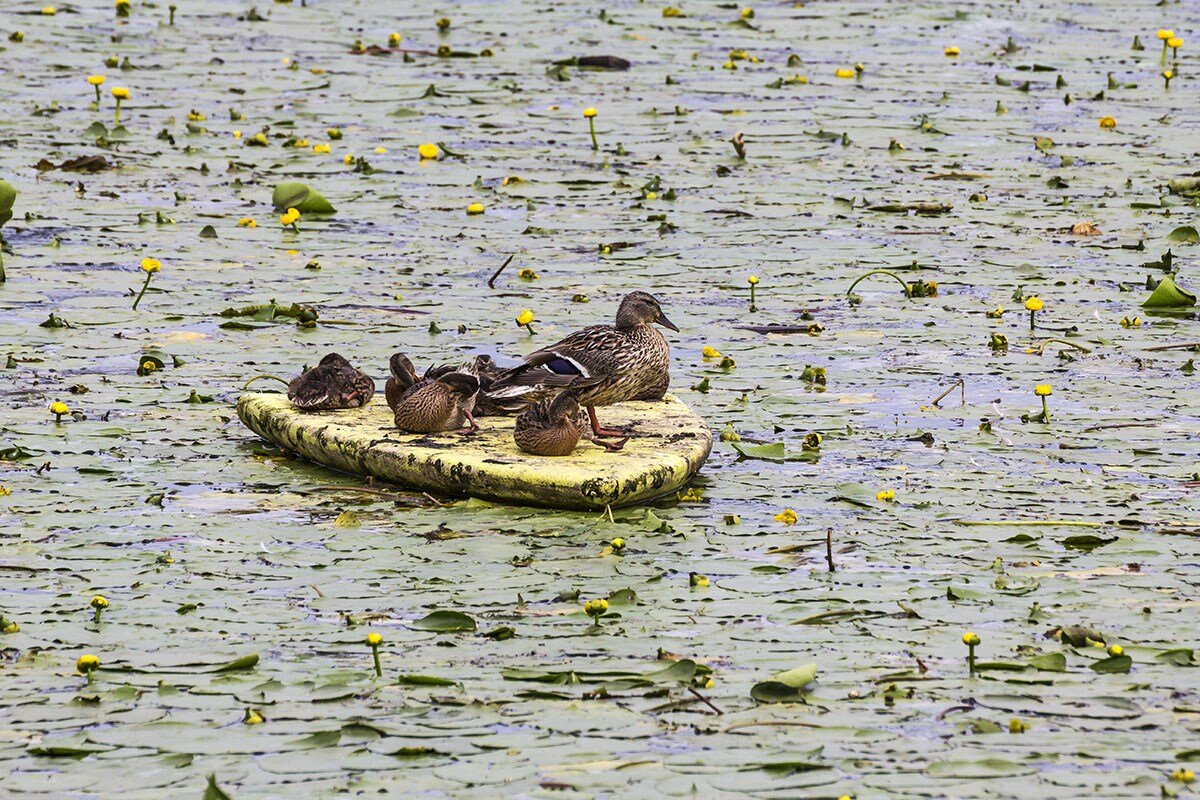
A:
[553,427]
[430,404]
[332,384]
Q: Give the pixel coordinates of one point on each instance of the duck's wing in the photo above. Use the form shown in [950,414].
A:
[588,353]
[315,389]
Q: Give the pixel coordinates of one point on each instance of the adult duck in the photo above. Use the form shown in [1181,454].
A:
[553,427]
[608,363]
[334,383]
[439,401]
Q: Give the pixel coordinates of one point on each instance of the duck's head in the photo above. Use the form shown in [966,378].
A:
[641,308]
[565,406]
[402,369]
[461,383]
[334,360]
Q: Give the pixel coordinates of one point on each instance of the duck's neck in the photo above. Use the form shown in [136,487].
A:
[627,321]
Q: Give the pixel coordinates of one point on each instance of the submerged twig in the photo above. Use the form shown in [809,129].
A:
[246,385]
[704,700]
[1029,522]
[1182,346]
[770,723]
[1042,348]
[829,549]
[959,384]
[496,274]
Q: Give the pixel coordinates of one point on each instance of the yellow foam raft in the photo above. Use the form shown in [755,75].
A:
[667,447]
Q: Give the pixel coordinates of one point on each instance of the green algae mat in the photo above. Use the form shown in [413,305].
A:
[668,445]
[788,626]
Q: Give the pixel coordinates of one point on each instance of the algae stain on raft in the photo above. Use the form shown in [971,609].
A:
[672,445]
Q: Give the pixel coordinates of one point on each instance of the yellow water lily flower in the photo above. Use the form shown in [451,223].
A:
[374,639]
[321,149]
[1042,390]
[151,265]
[845,73]
[970,639]
[96,80]
[885,495]
[247,222]
[1034,304]
[58,409]
[596,608]
[589,112]
[1165,34]
[787,517]
[120,92]
[429,150]
[951,51]
[1108,122]
[475,208]
[524,317]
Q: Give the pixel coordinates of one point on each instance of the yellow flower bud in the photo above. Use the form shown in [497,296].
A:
[1034,304]
[845,73]
[151,265]
[787,517]
[429,150]
[475,208]
[951,51]
[752,280]
[58,408]
[970,639]
[87,663]
[1108,122]
[99,601]
[698,581]
[1165,34]
[524,317]
[1042,390]
[374,639]
[95,80]
[589,112]
[596,608]
[120,92]
[885,495]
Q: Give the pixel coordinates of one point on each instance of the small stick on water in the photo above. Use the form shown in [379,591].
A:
[1182,346]
[704,700]
[1041,349]
[496,274]
[959,384]
[829,549]
[246,385]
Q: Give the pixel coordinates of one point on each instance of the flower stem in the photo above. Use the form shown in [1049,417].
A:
[592,130]
[1164,53]
[116,114]
[1045,411]
[907,288]
[971,660]
[529,327]
[138,299]
[378,667]
[1032,314]
[96,619]
[97,88]
[90,674]
[1041,348]
[246,385]
[753,307]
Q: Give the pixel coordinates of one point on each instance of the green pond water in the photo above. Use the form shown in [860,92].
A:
[242,582]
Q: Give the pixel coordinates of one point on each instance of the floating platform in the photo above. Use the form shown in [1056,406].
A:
[667,446]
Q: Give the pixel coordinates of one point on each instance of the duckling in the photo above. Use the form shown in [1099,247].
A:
[626,361]
[430,404]
[332,384]
[553,427]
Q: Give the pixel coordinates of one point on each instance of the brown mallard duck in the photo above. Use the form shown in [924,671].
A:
[333,383]
[609,363]
[553,427]
[433,403]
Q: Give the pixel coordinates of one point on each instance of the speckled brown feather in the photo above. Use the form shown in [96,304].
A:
[551,427]
[333,384]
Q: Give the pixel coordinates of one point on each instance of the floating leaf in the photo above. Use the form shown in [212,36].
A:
[765,452]
[1112,664]
[444,622]
[1184,234]
[1086,542]
[300,197]
[1169,295]
[1049,662]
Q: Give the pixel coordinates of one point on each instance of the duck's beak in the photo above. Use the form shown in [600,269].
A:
[666,323]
